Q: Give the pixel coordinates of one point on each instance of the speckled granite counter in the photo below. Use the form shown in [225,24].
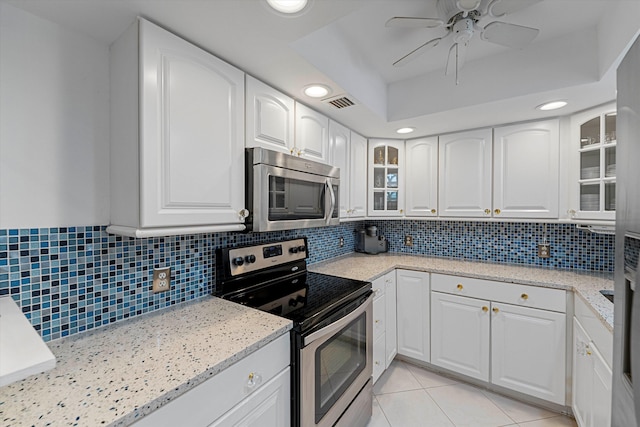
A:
[115,374]
[586,286]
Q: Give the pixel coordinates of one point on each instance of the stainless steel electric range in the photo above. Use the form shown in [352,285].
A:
[332,336]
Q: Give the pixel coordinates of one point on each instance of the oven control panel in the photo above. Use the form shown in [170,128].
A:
[254,258]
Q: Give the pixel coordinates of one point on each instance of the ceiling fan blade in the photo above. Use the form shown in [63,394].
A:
[509,35]
[455,60]
[409,22]
[416,52]
[498,8]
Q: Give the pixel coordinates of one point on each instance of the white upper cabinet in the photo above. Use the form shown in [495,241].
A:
[176,149]
[386,177]
[421,157]
[312,134]
[465,174]
[526,158]
[592,191]
[358,176]
[339,147]
[348,151]
[270,117]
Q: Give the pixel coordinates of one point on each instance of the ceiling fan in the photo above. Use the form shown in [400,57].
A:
[460,18]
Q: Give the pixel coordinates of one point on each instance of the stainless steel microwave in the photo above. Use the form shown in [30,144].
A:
[284,192]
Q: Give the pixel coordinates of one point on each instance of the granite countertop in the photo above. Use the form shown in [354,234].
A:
[584,285]
[114,375]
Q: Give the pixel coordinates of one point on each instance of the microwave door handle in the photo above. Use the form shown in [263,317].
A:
[332,194]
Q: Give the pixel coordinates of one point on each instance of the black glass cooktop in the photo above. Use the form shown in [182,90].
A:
[304,298]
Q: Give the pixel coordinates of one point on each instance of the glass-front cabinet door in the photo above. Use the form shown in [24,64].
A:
[594,179]
[386,177]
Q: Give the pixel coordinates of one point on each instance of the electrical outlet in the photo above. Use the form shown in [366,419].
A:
[161,279]
[341,242]
[408,240]
[544,250]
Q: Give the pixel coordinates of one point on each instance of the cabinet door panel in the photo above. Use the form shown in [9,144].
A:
[526,159]
[312,134]
[379,316]
[339,147]
[422,177]
[465,174]
[602,389]
[582,376]
[460,334]
[358,176]
[391,326]
[270,117]
[191,135]
[413,314]
[378,357]
[528,351]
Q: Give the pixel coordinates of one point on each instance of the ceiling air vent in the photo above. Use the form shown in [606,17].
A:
[340,102]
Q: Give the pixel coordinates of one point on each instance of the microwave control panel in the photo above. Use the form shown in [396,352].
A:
[254,258]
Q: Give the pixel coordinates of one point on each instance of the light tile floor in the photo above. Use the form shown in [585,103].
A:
[409,396]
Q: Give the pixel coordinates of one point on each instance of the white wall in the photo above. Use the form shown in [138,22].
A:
[54,124]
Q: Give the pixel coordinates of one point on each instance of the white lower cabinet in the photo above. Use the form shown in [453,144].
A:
[384,323]
[460,329]
[413,314]
[591,381]
[528,351]
[513,336]
[255,391]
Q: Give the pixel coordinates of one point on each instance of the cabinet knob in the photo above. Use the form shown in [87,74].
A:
[243,213]
[377,320]
[496,309]
[524,297]
[433,211]
[254,380]
[497,211]
[377,363]
[376,291]
[588,352]
[460,287]
[300,153]
[485,308]
[401,210]
[291,150]
[487,211]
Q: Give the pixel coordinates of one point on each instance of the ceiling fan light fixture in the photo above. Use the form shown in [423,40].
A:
[405,130]
[287,6]
[316,91]
[467,5]
[553,105]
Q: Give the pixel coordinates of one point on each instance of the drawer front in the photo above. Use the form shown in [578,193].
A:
[379,316]
[378,286]
[510,293]
[208,401]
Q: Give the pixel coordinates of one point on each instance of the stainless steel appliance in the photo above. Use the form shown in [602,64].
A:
[370,242]
[626,332]
[332,336]
[284,192]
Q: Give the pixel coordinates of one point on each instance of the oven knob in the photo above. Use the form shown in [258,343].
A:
[293,302]
[293,250]
[238,261]
[302,248]
[250,259]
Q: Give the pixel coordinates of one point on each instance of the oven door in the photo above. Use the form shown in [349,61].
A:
[286,199]
[336,365]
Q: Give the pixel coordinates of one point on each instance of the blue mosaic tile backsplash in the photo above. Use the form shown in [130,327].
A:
[74,279]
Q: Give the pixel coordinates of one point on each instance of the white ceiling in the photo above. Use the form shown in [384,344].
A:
[345,45]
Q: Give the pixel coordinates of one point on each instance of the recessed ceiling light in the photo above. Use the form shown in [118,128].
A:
[405,130]
[287,6]
[554,105]
[317,91]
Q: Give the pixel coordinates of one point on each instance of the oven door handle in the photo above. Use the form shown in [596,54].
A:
[332,194]
[338,324]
